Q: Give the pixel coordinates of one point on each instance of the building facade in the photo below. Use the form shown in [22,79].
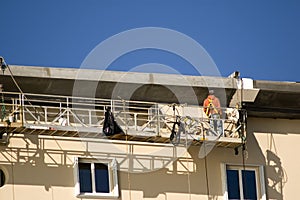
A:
[53,145]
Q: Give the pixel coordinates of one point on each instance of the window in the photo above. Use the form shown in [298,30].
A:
[2,178]
[244,183]
[96,178]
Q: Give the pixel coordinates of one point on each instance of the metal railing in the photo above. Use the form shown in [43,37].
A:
[134,117]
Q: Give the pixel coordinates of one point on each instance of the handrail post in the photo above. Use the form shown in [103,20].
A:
[112,108]
[46,114]
[125,115]
[158,120]
[90,118]
[68,112]
[13,104]
[135,121]
[22,109]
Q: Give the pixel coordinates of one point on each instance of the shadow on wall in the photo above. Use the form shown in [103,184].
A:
[40,161]
[189,176]
[275,176]
[35,161]
[48,162]
[184,176]
[32,164]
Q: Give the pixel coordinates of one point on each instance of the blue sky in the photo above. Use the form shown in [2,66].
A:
[259,38]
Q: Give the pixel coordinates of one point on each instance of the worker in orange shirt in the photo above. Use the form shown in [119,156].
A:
[212,109]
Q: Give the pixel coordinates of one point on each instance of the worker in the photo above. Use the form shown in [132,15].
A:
[212,109]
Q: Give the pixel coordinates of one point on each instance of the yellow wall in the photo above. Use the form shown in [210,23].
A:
[276,142]
[41,167]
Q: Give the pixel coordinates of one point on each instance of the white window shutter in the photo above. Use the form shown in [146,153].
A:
[76,176]
[114,167]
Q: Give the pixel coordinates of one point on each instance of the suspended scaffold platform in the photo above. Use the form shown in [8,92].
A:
[37,114]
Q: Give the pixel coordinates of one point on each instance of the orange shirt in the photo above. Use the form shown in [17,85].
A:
[211,105]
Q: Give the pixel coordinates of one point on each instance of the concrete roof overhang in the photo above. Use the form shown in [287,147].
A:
[152,87]
[275,100]
[265,99]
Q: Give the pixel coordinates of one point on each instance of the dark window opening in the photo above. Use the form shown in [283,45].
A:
[233,184]
[85,177]
[101,177]
[241,184]
[249,184]
[2,178]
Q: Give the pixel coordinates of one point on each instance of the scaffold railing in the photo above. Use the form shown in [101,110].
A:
[139,118]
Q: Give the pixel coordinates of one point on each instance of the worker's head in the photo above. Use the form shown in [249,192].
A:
[211,92]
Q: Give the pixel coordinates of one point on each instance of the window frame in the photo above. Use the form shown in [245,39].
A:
[259,177]
[112,178]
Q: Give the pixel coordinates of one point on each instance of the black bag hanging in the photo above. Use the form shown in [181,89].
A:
[110,126]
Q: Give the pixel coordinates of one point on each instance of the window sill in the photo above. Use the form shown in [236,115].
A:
[98,195]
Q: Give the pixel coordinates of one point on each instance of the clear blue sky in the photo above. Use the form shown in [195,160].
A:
[259,38]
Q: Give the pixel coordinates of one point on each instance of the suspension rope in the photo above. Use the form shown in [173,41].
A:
[128,151]
[12,173]
[20,90]
[128,173]
[188,169]
[3,108]
[206,168]
[14,80]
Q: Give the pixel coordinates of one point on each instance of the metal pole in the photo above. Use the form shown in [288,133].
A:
[135,121]
[22,108]
[46,113]
[68,112]
[158,120]
[90,117]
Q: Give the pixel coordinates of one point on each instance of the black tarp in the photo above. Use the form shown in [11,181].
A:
[110,126]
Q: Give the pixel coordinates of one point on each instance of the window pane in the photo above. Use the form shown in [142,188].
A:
[233,184]
[249,184]
[85,178]
[2,178]
[101,177]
